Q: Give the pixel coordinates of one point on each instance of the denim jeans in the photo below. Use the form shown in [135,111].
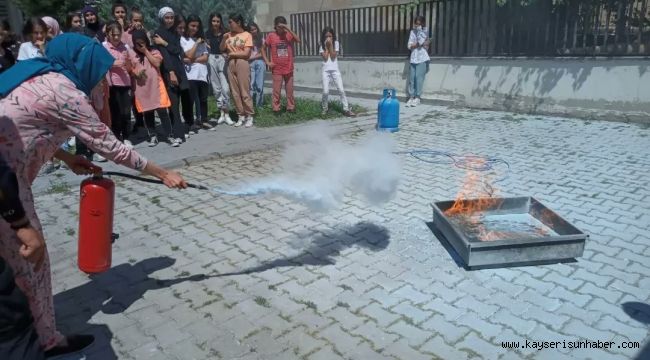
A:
[416,78]
[258,67]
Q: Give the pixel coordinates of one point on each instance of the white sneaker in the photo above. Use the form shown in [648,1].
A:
[416,102]
[409,103]
[228,120]
[187,136]
[249,121]
[98,158]
[240,122]
[222,118]
[128,143]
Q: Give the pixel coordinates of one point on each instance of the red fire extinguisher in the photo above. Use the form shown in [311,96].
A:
[96,224]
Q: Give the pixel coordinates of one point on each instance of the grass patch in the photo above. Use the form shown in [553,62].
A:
[70,231]
[175,248]
[261,301]
[273,287]
[155,200]
[306,110]
[59,188]
[309,304]
[345,287]
[343,305]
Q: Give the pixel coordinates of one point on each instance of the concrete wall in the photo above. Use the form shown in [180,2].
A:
[267,10]
[617,89]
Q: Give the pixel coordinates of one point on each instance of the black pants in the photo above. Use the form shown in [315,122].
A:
[23,346]
[165,121]
[187,102]
[120,103]
[199,91]
[178,129]
[84,150]
[139,117]
[18,338]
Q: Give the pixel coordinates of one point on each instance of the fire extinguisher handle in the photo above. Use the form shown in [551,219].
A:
[153,181]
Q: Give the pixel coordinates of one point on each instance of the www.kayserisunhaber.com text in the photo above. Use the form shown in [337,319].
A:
[575,344]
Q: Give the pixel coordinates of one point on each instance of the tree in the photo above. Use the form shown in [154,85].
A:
[201,8]
[54,8]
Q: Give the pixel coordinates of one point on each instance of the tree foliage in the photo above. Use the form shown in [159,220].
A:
[202,8]
[54,8]
[149,8]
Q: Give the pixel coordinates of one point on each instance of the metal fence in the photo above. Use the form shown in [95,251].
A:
[484,28]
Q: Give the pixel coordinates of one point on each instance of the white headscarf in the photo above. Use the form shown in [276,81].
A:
[164,11]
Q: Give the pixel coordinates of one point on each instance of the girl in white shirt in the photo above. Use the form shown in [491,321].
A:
[329,50]
[35,30]
[419,45]
[196,59]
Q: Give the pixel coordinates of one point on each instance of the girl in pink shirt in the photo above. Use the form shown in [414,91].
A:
[119,80]
[150,93]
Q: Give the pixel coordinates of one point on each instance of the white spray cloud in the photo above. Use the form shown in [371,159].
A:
[317,168]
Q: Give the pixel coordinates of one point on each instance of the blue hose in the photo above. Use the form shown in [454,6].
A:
[466,162]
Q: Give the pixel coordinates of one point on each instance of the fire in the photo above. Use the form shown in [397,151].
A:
[475,197]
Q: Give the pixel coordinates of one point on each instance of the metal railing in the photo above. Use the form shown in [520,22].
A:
[484,28]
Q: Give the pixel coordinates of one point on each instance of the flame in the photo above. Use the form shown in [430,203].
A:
[475,197]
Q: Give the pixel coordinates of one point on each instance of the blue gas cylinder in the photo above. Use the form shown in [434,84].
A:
[388,112]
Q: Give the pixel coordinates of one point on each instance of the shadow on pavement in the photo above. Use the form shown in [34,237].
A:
[641,313]
[111,292]
[324,247]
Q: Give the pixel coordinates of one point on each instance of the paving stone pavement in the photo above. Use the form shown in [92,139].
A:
[203,276]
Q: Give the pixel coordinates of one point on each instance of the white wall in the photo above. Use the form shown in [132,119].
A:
[602,88]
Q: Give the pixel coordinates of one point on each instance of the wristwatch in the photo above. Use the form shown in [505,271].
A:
[20,224]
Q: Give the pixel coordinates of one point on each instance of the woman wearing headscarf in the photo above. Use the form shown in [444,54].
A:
[45,100]
[94,27]
[169,44]
[53,28]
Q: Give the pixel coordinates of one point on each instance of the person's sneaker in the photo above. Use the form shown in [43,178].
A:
[172,142]
[240,122]
[98,158]
[416,102]
[153,141]
[178,140]
[409,103]
[194,129]
[206,125]
[128,143]
[349,113]
[75,344]
[228,120]
[249,121]
[187,136]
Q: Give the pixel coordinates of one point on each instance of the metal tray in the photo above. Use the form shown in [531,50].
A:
[558,241]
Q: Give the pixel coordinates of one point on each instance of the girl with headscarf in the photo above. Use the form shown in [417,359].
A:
[94,27]
[45,100]
[53,28]
[169,44]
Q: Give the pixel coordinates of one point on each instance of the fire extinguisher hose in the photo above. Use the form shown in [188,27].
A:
[144,179]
